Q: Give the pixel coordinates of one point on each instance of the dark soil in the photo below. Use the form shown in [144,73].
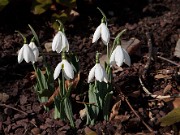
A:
[20,111]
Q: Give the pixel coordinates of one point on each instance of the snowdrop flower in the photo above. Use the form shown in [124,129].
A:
[34,49]
[66,68]
[26,53]
[99,73]
[120,55]
[103,32]
[60,42]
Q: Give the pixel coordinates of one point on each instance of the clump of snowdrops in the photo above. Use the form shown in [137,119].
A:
[100,76]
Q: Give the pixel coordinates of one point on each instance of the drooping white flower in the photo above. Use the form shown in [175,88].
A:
[103,32]
[99,73]
[66,68]
[26,53]
[35,50]
[60,42]
[120,55]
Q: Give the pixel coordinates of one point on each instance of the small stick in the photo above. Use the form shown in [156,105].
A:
[137,115]
[162,58]
[130,106]
[8,106]
[146,67]
[156,96]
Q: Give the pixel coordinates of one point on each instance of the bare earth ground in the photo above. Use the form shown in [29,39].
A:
[20,111]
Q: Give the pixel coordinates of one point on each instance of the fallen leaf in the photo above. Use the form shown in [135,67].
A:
[72,82]
[48,46]
[176,103]
[115,110]
[88,131]
[4,97]
[171,118]
[122,118]
[167,88]
[132,45]
[32,75]
[161,76]
[177,49]
[82,113]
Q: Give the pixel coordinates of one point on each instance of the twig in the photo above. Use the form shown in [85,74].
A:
[162,58]
[146,67]
[8,106]
[149,93]
[132,109]
[137,115]
[156,96]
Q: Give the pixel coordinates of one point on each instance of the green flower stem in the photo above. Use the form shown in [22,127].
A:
[61,26]
[117,40]
[107,54]
[25,41]
[63,83]
[97,57]
[37,76]
[104,16]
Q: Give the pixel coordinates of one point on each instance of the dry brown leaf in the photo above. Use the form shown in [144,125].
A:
[83,113]
[72,82]
[132,45]
[88,131]
[161,76]
[115,110]
[167,89]
[121,117]
[4,97]
[48,46]
[32,75]
[176,103]
[177,49]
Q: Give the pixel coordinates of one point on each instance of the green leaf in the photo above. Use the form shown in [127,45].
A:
[34,34]
[171,118]
[106,106]
[62,16]
[41,82]
[67,3]
[44,2]
[68,111]
[3,4]
[39,9]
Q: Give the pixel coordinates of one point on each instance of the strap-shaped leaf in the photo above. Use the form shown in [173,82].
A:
[68,111]
[171,118]
[106,106]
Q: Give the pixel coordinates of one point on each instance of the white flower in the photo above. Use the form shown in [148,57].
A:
[34,49]
[26,53]
[119,56]
[103,32]
[66,68]
[60,43]
[99,73]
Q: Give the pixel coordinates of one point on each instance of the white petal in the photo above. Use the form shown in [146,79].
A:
[105,79]
[99,72]
[56,44]
[127,59]
[57,70]
[112,58]
[65,44]
[68,70]
[91,74]
[119,56]
[105,35]
[20,55]
[28,54]
[35,50]
[97,34]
